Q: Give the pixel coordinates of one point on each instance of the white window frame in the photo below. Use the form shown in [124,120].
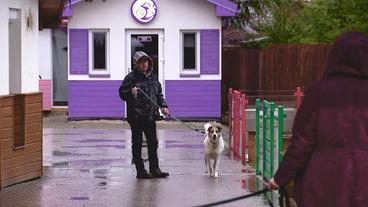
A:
[197,70]
[99,72]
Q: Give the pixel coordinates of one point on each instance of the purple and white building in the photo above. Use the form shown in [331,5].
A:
[183,37]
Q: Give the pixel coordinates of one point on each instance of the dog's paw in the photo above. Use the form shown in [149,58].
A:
[216,175]
[206,172]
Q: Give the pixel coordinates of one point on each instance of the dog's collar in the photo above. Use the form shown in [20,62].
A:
[213,142]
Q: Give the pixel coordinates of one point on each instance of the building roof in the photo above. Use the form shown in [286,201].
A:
[223,7]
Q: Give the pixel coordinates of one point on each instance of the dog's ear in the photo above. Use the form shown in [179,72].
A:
[209,129]
[219,128]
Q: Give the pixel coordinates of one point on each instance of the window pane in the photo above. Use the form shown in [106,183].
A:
[189,51]
[99,50]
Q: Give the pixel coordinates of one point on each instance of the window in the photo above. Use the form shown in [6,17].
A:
[190,53]
[99,53]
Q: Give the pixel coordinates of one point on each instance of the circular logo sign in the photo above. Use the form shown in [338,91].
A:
[144,11]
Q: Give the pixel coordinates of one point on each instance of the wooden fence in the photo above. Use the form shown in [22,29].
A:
[275,70]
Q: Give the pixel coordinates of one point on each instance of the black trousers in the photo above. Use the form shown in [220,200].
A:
[149,130]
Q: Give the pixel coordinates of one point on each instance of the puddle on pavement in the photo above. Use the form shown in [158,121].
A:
[100,140]
[102,184]
[83,198]
[188,146]
[60,164]
[65,153]
[97,146]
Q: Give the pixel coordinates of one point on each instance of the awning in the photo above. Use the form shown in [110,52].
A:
[225,7]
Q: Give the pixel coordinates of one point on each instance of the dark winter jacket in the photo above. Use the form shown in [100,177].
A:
[328,156]
[140,108]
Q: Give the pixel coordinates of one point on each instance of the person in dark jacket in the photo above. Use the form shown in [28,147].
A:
[142,113]
[328,155]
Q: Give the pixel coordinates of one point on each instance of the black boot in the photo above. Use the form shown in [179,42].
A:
[158,174]
[144,175]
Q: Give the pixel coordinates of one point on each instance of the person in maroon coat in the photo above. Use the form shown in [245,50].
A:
[328,156]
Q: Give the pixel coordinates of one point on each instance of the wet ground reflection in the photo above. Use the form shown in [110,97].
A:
[92,167]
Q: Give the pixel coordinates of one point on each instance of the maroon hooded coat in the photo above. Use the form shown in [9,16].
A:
[328,156]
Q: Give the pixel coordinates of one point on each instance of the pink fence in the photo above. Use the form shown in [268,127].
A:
[45,88]
[237,125]
[238,143]
[298,97]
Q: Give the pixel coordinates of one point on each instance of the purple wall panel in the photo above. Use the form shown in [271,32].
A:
[210,51]
[78,52]
[194,98]
[95,99]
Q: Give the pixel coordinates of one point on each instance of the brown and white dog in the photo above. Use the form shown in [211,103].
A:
[213,147]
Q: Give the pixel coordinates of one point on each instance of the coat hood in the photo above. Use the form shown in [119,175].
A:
[138,55]
[348,56]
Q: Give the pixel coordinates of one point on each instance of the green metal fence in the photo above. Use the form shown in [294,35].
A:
[269,137]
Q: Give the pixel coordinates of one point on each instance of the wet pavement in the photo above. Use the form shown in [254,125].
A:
[88,163]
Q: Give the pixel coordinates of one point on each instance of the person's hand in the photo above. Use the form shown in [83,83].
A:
[272,185]
[165,111]
[134,91]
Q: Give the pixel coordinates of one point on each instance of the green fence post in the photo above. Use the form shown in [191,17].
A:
[264,136]
[258,105]
[268,138]
[269,149]
[272,138]
[280,131]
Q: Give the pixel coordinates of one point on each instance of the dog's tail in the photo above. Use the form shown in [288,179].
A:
[206,126]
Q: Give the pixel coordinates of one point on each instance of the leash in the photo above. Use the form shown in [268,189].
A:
[282,191]
[171,116]
[236,198]
[283,199]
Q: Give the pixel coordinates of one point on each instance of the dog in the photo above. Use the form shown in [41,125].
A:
[213,147]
